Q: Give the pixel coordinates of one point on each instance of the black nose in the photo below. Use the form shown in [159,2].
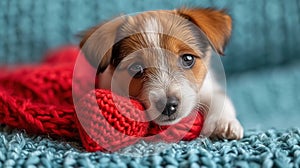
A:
[169,107]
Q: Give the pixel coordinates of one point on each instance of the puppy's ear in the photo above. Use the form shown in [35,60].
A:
[216,24]
[97,43]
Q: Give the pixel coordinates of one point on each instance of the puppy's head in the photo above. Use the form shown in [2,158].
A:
[158,57]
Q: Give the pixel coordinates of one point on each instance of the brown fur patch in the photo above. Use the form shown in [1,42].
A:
[97,43]
[216,24]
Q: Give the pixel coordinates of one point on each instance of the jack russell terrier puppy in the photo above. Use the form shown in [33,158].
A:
[161,58]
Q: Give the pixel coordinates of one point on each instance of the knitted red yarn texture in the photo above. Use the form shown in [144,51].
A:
[38,98]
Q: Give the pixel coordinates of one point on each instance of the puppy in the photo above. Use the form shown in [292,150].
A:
[162,58]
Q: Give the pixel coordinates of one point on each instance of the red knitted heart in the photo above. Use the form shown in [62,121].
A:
[38,98]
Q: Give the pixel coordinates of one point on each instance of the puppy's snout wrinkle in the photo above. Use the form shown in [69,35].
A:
[169,106]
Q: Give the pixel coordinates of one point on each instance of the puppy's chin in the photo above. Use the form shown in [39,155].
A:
[161,119]
[166,120]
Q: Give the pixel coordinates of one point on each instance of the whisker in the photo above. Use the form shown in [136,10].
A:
[203,107]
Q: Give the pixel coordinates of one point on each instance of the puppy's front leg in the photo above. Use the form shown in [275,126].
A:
[220,119]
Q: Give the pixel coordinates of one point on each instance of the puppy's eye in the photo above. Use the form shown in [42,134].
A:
[187,61]
[136,70]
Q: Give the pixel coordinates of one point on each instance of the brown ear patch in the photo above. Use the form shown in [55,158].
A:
[216,24]
[97,43]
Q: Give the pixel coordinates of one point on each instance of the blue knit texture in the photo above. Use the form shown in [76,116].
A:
[272,148]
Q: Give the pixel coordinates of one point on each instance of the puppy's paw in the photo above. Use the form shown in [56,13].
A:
[228,129]
[224,128]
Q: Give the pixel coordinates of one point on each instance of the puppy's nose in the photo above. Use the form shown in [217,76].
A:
[170,106]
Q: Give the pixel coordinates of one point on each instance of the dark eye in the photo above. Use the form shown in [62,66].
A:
[136,70]
[187,61]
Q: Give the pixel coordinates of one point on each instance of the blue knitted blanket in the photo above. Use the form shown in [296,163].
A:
[272,148]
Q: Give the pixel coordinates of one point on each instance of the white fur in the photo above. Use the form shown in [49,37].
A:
[165,84]
[152,30]
[220,120]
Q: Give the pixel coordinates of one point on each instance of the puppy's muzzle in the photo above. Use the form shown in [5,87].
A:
[167,107]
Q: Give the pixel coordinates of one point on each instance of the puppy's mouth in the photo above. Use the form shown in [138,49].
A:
[170,119]
[160,117]
[167,120]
